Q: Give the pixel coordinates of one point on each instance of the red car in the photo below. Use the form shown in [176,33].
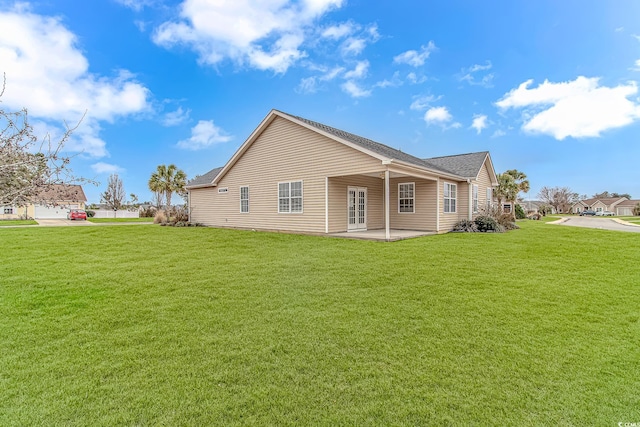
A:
[77,214]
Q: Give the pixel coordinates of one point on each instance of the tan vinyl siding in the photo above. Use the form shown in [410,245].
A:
[284,152]
[448,219]
[483,182]
[424,215]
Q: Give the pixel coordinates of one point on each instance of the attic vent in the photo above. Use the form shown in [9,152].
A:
[223,190]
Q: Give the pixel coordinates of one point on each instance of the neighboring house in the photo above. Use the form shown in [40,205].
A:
[55,202]
[531,206]
[294,174]
[598,205]
[625,208]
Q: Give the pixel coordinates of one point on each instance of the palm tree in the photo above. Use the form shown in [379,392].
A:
[507,189]
[168,180]
[522,185]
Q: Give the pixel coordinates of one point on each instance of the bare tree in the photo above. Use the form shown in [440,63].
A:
[560,198]
[114,195]
[31,171]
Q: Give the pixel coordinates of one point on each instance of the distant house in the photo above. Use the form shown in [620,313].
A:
[54,202]
[598,204]
[294,174]
[625,208]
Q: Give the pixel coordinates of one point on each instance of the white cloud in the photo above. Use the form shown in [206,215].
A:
[415,58]
[203,135]
[136,5]
[102,167]
[359,71]
[637,65]
[476,76]
[422,102]
[619,29]
[394,82]
[308,85]
[353,89]
[176,117]
[414,79]
[479,122]
[579,108]
[267,35]
[48,74]
[337,32]
[440,116]
[353,46]
[498,133]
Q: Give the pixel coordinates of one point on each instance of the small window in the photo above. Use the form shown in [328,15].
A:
[244,199]
[474,190]
[8,211]
[406,197]
[290,197]
[507,208]
[223,190]
[450,197]
[489,197]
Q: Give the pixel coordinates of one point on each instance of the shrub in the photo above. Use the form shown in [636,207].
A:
[465,226]
[506,220]
[520,212]
[534,215]
[160,218]
[149,212]
[90,214]
[636,210]
[486,223]
[179,214]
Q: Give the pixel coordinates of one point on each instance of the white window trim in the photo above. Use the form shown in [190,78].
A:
[444,197]
[474,198]
[289,197]
[412,198]
[248,199]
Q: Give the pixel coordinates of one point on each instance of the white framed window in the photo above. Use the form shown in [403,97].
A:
[450,197]
[474,197]
[244,199]
[223,190]
[507,208]
[8,211]
[489,197]
[406,197]
[290,197]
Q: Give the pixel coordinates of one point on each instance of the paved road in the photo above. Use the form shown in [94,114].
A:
[601,223]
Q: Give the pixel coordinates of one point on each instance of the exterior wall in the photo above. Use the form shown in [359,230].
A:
[338,201]
[448,220]
[424,216]
[283,152]
[483,182]
[18,212]
[599,206]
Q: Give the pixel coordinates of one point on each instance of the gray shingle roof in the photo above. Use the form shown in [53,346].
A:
[376,147]
[207,178]
[466,165]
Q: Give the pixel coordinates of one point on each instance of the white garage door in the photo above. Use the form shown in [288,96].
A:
[51,212]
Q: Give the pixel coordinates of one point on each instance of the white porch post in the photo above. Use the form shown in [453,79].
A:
[387,232]
[470,199]
[438,205]
[326,204]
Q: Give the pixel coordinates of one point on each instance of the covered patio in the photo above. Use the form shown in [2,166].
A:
[381,235]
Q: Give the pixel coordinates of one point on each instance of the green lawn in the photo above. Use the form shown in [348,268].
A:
[108,326]
[98,220]
[11,222]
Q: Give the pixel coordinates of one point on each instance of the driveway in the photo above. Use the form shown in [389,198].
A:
[601,223]
[62,222]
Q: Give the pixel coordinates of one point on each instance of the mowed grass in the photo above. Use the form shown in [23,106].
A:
[14,222]
[99,220]
[116,325]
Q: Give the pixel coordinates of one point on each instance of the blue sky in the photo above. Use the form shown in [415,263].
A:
[548,87]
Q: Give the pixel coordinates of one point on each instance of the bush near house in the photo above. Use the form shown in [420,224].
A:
[636,210]
[520,214]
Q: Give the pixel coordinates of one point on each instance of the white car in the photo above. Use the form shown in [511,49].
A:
[608,213]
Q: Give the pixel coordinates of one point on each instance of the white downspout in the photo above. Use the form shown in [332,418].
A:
[438,205]
[326,204]
[470,200]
